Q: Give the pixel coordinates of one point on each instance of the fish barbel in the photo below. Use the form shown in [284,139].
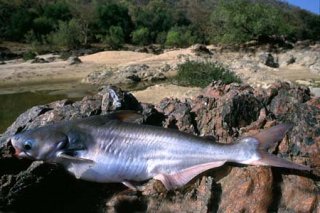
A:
[107,149]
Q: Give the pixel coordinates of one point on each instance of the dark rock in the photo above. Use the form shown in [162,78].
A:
[74,60]
[201,50]
[39,60]
[6,54]
[223,113]
[152,49]
[268,60]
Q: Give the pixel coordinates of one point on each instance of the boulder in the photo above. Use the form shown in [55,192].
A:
[221,112]
[268,59]
[286,59]
[201,50]
[39,60]
[131,74]
[74,60]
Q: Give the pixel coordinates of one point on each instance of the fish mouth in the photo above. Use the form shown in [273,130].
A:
[22,154]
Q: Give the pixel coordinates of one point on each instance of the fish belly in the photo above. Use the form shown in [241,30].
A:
[110,169]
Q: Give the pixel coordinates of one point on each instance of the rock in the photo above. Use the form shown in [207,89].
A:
[98,77]
[221,112]
[315,91]
[268,60]
[315,68]
[2,62]
[6,54]
[74,60]
[39,60]
[153,49]
[131,74]
[286,59]
[201,50]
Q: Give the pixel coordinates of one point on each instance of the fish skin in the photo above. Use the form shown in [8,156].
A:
[104,150]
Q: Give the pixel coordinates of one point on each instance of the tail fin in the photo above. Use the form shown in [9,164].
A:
[266,139]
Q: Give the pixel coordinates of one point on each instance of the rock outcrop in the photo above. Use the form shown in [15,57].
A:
[131,74]
[221,112]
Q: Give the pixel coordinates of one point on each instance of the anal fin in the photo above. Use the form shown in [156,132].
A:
[172,181]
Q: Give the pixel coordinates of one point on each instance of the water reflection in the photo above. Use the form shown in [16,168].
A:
[12,105]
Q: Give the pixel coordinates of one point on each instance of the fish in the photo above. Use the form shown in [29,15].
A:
[113,148]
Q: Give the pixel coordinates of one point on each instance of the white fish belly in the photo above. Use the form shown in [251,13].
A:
[110,169]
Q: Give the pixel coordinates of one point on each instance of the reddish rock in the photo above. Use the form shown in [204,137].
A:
[223,112]
[299,194]
[247,190]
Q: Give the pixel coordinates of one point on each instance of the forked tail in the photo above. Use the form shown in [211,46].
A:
[266,139]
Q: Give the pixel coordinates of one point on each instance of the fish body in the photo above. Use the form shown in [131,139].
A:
[104,149]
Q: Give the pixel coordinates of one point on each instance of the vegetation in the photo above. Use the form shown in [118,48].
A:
[29,55]
[72,24]
[200,74]
[237,21]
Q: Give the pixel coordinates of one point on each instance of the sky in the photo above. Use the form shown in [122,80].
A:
[311,5]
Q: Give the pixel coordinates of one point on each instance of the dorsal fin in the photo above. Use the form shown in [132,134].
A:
[269,137]
[100,120]
[125,116]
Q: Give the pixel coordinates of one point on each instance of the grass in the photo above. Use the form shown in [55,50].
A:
[200,74]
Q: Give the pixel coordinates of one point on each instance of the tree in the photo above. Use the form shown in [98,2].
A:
[115,37]
[68,35]
[180,37]
[112,14]
[157,16]
[238,21]
[141,36]
[85,13]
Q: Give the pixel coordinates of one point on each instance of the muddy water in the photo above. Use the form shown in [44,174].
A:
[13,103]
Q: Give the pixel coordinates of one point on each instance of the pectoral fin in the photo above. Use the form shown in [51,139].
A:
[75,159]
[172,181]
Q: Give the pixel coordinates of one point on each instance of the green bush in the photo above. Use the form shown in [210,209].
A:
[237,21]
[42,26]
[113,14]
[29,55]
[141,36]
[180,37]
[200,74]
[58,10]
[115,37]
[69,35]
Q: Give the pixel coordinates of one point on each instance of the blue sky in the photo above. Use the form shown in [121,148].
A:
[311,5]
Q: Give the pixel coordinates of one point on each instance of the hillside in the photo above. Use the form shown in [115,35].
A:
[60,24]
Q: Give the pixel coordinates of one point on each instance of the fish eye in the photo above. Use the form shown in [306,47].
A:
[62,144]
[27,145]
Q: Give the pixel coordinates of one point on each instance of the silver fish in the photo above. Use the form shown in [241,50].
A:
[107,149]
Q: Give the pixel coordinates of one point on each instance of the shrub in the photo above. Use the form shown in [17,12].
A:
[68,35]
[141,36]
[115,37]
[42,26]
[113,14]
[237,21]
[29,55]
[200,74]
[180,37]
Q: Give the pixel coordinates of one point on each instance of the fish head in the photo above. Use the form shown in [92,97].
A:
[43,143]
